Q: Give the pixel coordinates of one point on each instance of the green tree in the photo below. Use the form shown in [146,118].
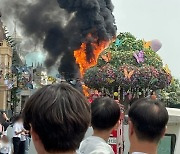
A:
[130,67]
[171,94]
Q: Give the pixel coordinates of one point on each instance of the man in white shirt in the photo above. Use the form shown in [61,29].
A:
[105,115]
[147,125]
[22,140]
[17,131]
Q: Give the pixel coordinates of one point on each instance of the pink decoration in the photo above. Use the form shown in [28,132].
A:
[156,45]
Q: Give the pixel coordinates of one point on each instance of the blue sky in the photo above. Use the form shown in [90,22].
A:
[153,19]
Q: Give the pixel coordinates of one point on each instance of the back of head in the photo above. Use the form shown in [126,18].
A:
[149,118]
[17,118]
[60,116]
[105,113]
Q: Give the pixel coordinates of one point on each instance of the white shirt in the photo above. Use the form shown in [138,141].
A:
[23,137]
[89,132]
[17,127]
[5,148]
[95,145]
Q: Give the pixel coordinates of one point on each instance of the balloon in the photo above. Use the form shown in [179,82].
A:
[156,45]
[116,94]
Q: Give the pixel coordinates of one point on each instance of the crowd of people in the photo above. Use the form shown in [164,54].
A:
[57,117]
[19,141]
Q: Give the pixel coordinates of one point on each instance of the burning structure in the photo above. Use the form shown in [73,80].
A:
[74,31]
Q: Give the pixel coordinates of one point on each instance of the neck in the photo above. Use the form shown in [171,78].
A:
[143,146]
[102,134]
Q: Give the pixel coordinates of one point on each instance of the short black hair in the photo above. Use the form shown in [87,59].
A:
[105,113]
[132,101]
[149,118]
[60,115]
[16,117]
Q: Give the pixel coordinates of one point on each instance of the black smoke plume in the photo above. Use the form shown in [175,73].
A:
[63,25]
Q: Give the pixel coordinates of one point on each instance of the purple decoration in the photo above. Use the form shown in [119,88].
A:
[139,56]
[156,45]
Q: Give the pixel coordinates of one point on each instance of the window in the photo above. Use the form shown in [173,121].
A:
[167,144]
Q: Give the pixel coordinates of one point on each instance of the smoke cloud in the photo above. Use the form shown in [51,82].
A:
[63,25]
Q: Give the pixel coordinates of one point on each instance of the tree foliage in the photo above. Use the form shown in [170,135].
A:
[171,94]
[118,67]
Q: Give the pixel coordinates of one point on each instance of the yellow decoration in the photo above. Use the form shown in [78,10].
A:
[166,69]
[106,57]
[146,44]
[50,78]
[172,81]
[115,94]
[110,80]
[128,75]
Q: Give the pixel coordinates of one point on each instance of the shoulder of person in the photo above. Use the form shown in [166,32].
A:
[102,151]
[96,151]
[88,146]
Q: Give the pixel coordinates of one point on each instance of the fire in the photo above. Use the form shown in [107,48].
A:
[85,90]
[81,59]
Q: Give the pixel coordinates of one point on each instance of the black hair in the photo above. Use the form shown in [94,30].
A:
[16,117]
[132,101]
[149,118]
[60,115]
[105,113]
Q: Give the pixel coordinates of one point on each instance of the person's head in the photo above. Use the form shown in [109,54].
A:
[58,116]
[105,114]
[147,120]
[132,101]
[17,118]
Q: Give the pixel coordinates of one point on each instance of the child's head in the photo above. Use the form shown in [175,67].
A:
[4,139]
[105,114]
[58,116]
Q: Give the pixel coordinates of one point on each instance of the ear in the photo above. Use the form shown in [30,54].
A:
[34,135]
[37,142]
[117,125]
[163,132]
[131,127]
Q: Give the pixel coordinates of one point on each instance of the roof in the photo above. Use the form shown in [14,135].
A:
[2,34]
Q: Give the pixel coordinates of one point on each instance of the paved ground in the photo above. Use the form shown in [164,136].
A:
[32,149]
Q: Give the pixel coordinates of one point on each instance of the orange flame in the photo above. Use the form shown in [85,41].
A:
[81,59]
[86,90]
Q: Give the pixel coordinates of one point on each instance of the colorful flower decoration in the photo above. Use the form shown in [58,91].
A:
[133,66]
